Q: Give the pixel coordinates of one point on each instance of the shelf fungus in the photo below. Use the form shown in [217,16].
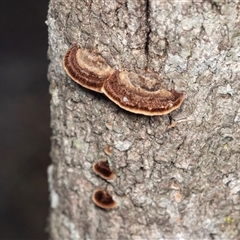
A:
[102,169]
[132,92]
[103,199]
[87,68]
[137,93]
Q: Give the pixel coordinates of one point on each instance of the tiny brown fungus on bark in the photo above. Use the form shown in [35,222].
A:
[132,92]
[103,199]
[102,169]
[87,67]
[108,150]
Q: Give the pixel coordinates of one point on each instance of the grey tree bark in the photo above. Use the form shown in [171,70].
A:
[179,182]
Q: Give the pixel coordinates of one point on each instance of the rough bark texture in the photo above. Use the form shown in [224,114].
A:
[176,183]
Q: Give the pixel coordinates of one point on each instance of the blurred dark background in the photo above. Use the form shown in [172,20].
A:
[24,120]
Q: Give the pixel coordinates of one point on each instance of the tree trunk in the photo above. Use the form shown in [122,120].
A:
[177,174]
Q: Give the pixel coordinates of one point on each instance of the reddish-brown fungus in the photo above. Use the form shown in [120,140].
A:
[87,68]
[102,169]
[103,199]
[138,93]
[128,91]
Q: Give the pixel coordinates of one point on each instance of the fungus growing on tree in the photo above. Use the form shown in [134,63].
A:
[137,93]
[102,169]
[108,150]
[103,199]
[87,67]
[127,91]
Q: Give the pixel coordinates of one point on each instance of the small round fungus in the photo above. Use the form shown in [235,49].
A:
[103,199]
[102,169]
[108,150]
[87,67]
[142,98]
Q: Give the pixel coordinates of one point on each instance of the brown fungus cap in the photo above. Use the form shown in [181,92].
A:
[87,68]
[138,93]
[108,150]
[102,169]
[133,93]
[103,199]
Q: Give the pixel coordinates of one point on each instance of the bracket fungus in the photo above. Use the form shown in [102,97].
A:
[103,199]
[87,67]
[102,169]
[136,93]
[130,92]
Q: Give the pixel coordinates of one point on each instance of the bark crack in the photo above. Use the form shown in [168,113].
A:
[148,30]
